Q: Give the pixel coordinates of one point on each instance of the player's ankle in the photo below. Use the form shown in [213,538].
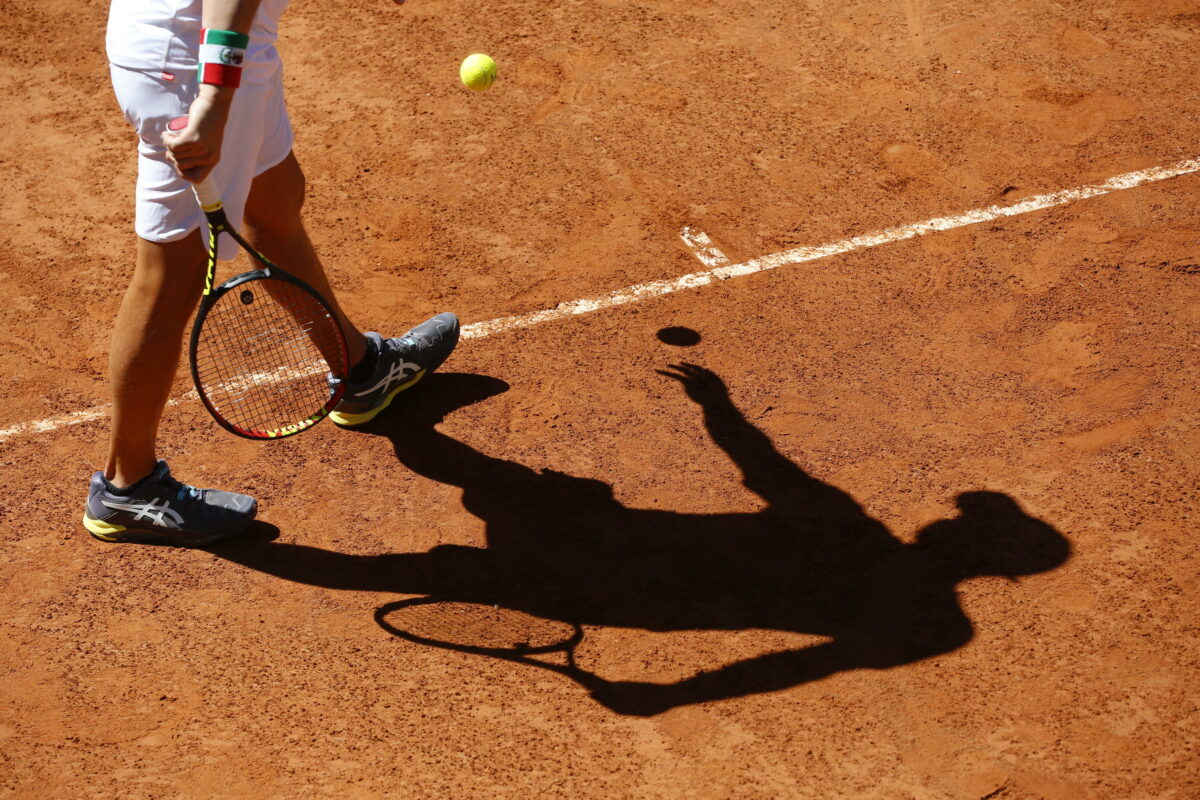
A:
[365,366]
[124,476]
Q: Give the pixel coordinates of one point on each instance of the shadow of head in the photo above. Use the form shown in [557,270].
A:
[992,535]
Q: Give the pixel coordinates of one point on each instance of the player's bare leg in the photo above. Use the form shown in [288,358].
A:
[135,498]
[275,228]
[380,369]
[146,343]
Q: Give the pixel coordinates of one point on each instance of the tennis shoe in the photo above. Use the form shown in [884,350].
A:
[400,363]
[161,510]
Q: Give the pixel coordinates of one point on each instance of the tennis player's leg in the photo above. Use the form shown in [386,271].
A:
[135,498]
[167,281]
[275,228]
[146,343]
[382,368]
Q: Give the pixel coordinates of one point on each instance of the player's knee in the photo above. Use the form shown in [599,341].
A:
[281,223]
[170,272]
[290,194]
[276,198]
[278,218]
[170,297]
[300,189]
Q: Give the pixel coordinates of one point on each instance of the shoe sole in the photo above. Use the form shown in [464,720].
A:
[120,534]
[343,420]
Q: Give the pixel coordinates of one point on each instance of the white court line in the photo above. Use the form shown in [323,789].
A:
[799,255]
[701,244]
[703,248]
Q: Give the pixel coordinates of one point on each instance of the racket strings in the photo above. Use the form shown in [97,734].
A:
[263,354]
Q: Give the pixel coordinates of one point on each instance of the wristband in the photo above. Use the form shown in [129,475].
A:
[221,56]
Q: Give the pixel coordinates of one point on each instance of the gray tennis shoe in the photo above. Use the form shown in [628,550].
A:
[400,363]
[161,510]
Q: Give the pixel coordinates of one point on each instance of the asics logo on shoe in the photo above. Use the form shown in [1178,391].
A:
[397,373]
[149,511]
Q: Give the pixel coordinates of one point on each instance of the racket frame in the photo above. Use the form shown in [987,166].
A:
[210,203]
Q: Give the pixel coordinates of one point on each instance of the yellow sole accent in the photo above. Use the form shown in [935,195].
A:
[102,530]
[350,420]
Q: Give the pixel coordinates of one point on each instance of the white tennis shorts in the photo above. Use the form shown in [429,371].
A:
[258,136]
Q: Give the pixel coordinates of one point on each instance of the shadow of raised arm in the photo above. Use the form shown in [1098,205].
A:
[765,471]
[784,669]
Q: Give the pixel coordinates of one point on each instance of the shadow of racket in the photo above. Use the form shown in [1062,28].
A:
[487,630]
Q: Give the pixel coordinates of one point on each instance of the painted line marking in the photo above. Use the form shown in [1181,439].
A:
[703,248]
[799,255]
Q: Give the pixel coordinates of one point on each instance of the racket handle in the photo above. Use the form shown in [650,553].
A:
[208,194]
[206,191]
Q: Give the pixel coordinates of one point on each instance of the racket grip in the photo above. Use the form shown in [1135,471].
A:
[208,194]
[206,191]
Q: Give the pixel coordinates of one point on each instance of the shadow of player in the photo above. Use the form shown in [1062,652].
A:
[562,548]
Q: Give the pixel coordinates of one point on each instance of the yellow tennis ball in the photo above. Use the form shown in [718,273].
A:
[478,71]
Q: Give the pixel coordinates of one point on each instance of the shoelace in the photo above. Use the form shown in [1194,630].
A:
[182,490]
[415,341]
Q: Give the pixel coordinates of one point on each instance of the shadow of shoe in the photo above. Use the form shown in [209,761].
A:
[430,401]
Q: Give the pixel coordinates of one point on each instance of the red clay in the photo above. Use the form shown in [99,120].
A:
[793,589]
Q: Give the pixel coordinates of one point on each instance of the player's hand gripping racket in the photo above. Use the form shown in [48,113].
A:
[265,345]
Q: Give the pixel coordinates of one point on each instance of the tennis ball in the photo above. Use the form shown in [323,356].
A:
[478,71]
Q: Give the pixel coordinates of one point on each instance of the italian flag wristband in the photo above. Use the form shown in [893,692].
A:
[221,56]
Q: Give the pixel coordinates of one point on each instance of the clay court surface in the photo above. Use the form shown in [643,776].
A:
[924,527]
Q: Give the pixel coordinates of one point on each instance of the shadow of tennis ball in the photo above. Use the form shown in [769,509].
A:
[679,336]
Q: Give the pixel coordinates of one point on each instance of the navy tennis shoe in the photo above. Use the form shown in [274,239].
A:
[399,364]
[161,510]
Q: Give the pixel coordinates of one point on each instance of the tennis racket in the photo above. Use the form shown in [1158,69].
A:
[268,357]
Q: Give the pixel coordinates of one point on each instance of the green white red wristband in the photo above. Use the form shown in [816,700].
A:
[221,56]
